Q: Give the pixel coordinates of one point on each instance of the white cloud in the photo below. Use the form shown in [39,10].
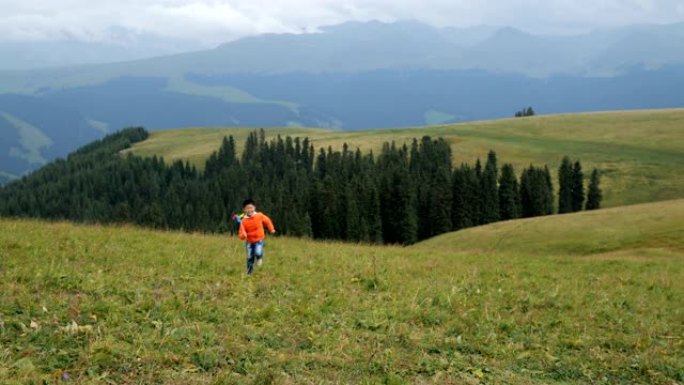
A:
[210,22]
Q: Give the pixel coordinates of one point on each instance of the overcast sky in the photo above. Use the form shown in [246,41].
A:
[211,22]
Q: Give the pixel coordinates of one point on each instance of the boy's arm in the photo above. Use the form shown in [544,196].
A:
[241,232]
[269,224]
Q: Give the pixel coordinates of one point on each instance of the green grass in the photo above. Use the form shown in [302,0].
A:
[607,231]
[127,305]
[199,143]
[225,93]
[638,152]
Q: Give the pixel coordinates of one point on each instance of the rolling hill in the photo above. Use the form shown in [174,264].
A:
[638,152]
[572,299]
[651,228]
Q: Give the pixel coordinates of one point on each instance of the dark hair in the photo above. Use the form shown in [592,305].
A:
[248,202]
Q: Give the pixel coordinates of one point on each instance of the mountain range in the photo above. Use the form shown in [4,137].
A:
[350,76]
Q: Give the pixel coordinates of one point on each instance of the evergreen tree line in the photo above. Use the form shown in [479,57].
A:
[402,195]
[527,111]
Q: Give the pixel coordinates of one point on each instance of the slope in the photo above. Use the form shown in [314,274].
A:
[646,229]
[441,312]
[638,152]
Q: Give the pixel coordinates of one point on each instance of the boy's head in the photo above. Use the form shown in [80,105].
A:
[249,206]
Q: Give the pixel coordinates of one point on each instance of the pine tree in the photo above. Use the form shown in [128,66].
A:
[527,193]
[321,165]
[122,213]
[249,154]
[316,208]
[565,186]
[509,194]
[547,192]
[527,111]
[397,199]
[490,195]
[440,202]
[354,226]
[406,221]
[466,197]
[370,197]
[430,168]
[577,187]
[221,159]
[536,192]
[459,201]
[420,175]
[373,216]
[594,194]
[153,216]
[476,198]
[332,220]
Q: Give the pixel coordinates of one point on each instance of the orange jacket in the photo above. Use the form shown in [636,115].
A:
[252,228]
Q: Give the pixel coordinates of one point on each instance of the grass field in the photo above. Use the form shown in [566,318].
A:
[225,93]
[593,297]
[640,153]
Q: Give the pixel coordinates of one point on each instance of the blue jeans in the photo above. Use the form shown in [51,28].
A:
[255,251]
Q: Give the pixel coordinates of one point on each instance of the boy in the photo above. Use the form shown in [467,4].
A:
[252,231]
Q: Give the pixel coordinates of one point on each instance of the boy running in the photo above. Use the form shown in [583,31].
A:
[252,231]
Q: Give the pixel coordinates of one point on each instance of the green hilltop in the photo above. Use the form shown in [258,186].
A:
[598,303]
[639,152]
[606,232]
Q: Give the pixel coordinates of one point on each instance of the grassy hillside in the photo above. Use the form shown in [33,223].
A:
[639,152]
[125,305]
[607,231]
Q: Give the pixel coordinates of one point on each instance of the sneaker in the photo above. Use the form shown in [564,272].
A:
[260,261]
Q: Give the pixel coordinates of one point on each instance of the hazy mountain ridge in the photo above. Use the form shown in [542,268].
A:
[349,76]
[357,47]
[119,45]
[374,99]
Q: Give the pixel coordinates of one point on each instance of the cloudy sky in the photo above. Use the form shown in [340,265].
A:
[210,22]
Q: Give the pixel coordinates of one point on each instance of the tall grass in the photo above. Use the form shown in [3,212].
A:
[98,305]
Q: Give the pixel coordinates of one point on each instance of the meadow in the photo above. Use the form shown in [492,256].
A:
[593,297]
[639,153]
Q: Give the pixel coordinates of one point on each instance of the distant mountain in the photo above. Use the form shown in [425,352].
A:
[645,47]
[123,45]
[34,131]
[358,47]
[394,98]
[350,76]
